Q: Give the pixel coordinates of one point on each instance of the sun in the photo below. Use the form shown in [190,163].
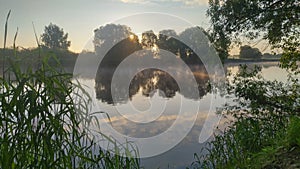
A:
[131,37]
[155,48]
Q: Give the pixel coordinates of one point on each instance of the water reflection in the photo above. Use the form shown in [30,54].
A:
[148,79]
[181,155]
[160,77]
[145,82]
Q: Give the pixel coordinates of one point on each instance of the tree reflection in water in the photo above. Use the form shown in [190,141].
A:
[148,80]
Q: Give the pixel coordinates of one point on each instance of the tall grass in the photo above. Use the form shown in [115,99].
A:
[41,122]
[4,44]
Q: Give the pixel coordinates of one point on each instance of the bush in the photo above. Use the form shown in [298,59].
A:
[293,131]
[261,114]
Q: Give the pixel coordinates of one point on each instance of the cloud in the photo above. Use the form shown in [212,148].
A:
[136,1]
[192,2]
[186,2]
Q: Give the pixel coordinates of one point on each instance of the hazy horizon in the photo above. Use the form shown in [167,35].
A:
[80,18]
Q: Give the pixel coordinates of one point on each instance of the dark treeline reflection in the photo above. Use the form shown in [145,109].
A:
[146,82]
[116,43]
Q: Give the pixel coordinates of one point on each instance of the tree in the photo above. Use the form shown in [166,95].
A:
[105,37]
[275,20]
[149,39]
[257,100]
[55,38]
[249,52]
[167,40]
[115,42]
[166,34]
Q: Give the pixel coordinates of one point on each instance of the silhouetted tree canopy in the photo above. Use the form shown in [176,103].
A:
[198,40]
[167,40]
[276,20]
[55,38]
[249,52]
[165,35]
[114,43]
[105,37]
[149,39]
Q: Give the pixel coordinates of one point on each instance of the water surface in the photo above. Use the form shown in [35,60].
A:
[155,95]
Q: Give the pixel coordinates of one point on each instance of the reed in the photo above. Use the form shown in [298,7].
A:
[41,121]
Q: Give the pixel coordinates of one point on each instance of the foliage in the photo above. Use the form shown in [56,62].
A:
[275,20]
[249,52]
[109,35]
[291,56]
[164,35]
[259,116]
[40,124]
[293,131]
[264,114]
[271,56]
[32,58]
[149,39]
[42,118]
[118,40]
[55,38]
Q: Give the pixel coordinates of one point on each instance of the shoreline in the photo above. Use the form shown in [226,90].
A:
[237,62]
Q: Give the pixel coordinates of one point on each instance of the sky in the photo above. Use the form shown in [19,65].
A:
[79,18]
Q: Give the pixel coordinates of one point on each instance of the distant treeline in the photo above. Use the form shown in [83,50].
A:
[248,52]
[33,57]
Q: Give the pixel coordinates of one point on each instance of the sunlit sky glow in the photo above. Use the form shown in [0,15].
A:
[79,18]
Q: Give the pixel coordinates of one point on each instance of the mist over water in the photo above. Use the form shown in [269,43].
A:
[153,84]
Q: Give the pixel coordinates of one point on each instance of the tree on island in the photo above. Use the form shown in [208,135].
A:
[55,38]
[249,52]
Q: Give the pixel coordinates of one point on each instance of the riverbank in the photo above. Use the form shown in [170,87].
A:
[237,62]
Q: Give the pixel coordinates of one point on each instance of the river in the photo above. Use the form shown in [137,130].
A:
[151,103]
